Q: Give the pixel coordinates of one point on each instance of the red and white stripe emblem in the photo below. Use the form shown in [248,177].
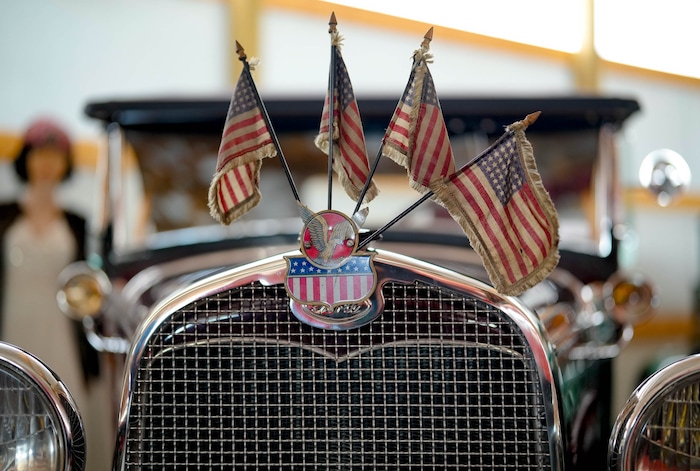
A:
[350,283]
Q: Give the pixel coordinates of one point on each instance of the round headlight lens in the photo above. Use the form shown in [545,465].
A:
[40,427]
[29,437]
[659,426]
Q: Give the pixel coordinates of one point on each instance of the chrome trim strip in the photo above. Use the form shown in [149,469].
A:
[641,404]
[53,389]
[390,267]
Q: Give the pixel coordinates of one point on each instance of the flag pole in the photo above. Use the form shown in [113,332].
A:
[386,226]
[332,23]
[529,119]
[425,45]
[246,66]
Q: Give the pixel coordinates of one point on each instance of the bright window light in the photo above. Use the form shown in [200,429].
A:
[553,24]
[656,35]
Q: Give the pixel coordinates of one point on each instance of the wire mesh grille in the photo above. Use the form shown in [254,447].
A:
[438,381]
[672,435]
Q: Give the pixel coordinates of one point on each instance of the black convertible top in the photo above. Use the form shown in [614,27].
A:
[462,114]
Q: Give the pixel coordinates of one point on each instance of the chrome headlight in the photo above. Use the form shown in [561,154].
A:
[40,427]
[659,427]
[82,290]
[629,297]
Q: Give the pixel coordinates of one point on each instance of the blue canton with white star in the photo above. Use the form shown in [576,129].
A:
[243,97]
[356,265]
[503,170]
[343,85]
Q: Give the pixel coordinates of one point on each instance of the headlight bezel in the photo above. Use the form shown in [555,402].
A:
[69,431]
[646,402]
[82,290]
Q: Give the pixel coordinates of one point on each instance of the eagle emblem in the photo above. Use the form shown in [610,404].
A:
[329,238]
[330,278]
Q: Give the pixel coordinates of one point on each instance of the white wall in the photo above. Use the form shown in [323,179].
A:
[56,55]
[295,53]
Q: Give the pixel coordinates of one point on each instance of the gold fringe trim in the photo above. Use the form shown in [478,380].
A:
[253,63]
[395,154]
[422,55]
[444,196]
[337,39]
[321,140]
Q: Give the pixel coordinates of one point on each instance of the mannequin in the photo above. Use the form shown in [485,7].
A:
[39,238]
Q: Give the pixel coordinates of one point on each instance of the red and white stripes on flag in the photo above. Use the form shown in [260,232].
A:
[246,140]
[417,136]
[350,161]
[499,201]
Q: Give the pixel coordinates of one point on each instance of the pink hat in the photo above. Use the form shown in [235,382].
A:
[44,132]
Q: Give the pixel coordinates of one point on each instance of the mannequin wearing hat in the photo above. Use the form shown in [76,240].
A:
[39,238]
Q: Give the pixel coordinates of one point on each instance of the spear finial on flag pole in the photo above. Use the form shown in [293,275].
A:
[244,59]
[531,118]
[241,52]
[427,38]
[332,23]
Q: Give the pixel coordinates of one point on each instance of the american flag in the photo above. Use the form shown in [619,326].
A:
[350,283]
[350,161]
[417,136]
[245,142]
[500,203]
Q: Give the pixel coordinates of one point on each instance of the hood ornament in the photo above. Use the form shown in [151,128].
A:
[497,198]
[330,282]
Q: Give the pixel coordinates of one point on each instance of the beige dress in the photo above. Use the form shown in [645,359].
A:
[31,318]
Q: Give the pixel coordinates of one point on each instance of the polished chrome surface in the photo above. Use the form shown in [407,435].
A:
[40,427]
[82,290]
[449,375]
[666,174]
[130,300]
[629,297]
[659,427]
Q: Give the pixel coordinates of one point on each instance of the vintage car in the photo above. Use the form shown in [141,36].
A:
[219,368]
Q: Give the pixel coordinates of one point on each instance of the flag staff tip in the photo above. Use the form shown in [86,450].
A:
[332,23]
[531,118]
[428,37]
[240,51]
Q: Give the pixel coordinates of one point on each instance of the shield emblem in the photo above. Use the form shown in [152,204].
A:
[353,282]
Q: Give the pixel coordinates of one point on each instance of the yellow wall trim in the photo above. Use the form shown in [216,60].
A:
[85,152]
[643,199]
[244,28]
[667,325]
[650,74]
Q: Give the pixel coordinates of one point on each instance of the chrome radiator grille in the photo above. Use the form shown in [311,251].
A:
[438,381]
